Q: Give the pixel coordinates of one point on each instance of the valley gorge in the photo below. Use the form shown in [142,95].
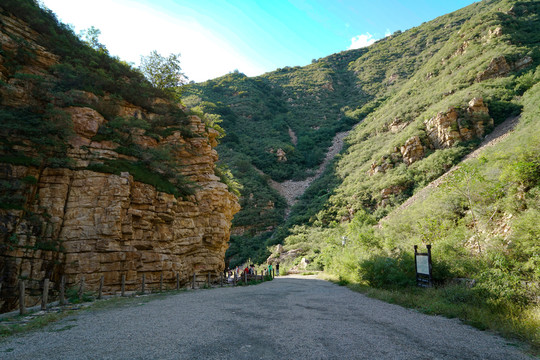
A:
[341,168]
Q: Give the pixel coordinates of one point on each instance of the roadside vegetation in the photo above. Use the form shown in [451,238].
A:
[482,221]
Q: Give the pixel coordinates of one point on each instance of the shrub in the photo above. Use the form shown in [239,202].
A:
[388,272]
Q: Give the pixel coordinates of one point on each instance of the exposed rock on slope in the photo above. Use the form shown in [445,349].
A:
[443,131]
[412,150]
[448,127]
[500,67]
[82,223]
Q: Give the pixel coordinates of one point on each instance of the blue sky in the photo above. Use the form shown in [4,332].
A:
[253,36]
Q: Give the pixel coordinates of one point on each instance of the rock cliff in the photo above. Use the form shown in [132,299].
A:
[75,220]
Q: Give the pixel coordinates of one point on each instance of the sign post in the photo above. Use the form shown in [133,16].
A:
[422,264]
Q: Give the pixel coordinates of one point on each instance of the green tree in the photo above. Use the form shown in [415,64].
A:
[91,37]
[164,73]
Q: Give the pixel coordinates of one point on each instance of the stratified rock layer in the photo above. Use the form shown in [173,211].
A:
[109,225]
[81,223]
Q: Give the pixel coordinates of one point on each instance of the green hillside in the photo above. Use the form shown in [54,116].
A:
[409,76]
[417,102]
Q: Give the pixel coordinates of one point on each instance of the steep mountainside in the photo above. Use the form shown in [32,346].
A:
[418,103]
[100,174]
[420,100]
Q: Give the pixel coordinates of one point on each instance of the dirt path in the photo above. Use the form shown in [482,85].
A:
[288,318]
[498,134]
[291,189]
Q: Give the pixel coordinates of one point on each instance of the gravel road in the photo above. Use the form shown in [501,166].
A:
[289,318]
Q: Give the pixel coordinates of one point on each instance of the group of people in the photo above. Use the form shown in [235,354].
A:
[248,269]
[270,269]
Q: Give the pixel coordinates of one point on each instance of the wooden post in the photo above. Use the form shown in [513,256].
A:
[100,290]
[221,280]
[81,288]
[22,307]
[273,273]
[193,282]
[143,281]
[62,297]
[45,297]
[123,286]
[209,279]
[245,277]
[161,283]
[177,281]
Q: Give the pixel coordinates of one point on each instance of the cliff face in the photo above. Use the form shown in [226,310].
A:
[78,222]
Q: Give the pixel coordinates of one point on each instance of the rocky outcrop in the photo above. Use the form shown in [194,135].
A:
[499,66]
[386,162]
[492,34]
[15,33]
[412,150]
[442,129]
[387,193]
[397,125]
[280,256]
[111,225]
[380,168]
[462,49]
[446,128]
[481,121]
[79,222]
[281,156]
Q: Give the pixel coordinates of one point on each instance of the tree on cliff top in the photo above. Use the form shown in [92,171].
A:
[164,73]
[91,37]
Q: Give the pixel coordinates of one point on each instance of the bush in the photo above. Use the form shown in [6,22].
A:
[388,272]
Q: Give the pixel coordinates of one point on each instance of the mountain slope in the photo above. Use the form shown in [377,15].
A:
[482,219]
[484,52]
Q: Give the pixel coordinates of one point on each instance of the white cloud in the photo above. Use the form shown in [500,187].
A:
[387,33]
[362,40]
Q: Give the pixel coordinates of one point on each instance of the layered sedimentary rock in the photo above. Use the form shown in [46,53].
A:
[110,225]
[82,223]
[448,127]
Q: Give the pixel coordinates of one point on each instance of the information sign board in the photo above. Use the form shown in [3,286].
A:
[422,263]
